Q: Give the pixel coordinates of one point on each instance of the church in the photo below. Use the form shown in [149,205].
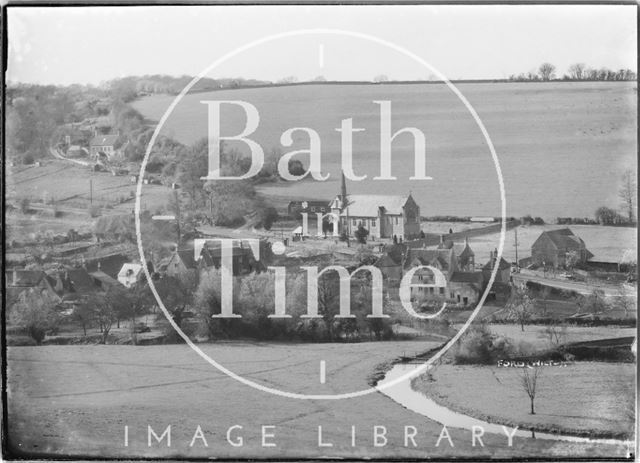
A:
[385,216]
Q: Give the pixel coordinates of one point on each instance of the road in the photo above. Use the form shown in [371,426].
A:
[581,288]
[56,154]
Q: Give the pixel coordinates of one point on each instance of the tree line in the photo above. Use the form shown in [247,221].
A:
[575,72]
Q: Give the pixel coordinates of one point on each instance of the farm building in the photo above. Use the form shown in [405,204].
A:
[552,247]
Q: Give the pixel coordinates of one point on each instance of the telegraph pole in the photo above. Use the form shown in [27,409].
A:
[91,191]
[517,261]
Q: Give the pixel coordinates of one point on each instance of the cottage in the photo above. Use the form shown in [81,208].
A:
[465,287]
[552,248]
[463,253]
[296,208]
[104,146]
[130,274]
[503,274]
[19,282]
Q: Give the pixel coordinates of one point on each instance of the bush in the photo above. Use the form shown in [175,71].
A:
[480,346]
[94,211]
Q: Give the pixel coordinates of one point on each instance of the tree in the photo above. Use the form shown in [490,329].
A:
[627,193]
[543,297]
[594,303]
[547,71]
[530,384]
[571,259]
[83,313]
[381,78]
[34,312]
[361,234]
[625,302]
[103,313]
[576,71]
[555,332]
[520,306]
[176,207]
[606,216]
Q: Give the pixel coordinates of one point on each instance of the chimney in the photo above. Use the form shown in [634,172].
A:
[98,265]
[441,239]
[466,241]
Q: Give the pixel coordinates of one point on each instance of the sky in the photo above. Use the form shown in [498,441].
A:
[90,45]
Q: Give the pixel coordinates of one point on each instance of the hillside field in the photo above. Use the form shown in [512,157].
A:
[562,147]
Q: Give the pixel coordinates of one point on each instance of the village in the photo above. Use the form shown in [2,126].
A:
[555,269]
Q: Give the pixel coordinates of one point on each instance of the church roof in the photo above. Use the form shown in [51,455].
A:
[369,205]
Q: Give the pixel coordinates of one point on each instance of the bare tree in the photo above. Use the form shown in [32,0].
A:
[520,306]
[543,296]
[628,193]
[555,332]
[576,71]
[381,78]
[547,71]
[624,302]
[530,384]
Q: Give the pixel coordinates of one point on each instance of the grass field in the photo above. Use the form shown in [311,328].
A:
[555,125]
[584,398]
[76,400]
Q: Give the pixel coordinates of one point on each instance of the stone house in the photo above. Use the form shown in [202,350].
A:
[504,269]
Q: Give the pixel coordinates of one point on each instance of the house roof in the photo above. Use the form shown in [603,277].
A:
[110,265]
[104,140]
[564,238]
[103,278]
[24,278]
[369,205]
[135,268]
[81,281]
[187,257]
[466,277]
[386,261]
[502,265]
[428,257]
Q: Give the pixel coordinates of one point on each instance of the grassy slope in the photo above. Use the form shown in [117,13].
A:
[588,399]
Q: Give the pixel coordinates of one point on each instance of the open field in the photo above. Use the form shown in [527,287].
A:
[68,186]
[559,125]
[52,411]
[584,398]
